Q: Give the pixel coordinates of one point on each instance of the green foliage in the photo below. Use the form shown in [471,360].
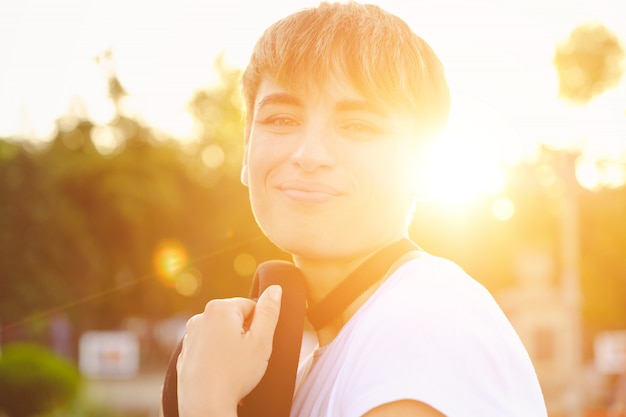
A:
[33,381]
[35,237]
[79,227]
[219,113]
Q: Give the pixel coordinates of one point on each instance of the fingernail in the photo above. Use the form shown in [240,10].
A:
[275,292]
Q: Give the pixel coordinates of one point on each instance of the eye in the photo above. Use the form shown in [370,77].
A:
[281,121]
[279,124]
[361,126]
[361,130]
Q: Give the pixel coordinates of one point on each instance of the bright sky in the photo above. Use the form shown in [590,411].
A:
[498,56]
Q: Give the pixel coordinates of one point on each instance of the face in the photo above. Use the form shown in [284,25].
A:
[328,171]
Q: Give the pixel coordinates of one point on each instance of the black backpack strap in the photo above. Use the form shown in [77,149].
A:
[169,395]
[361,279]
[274,393]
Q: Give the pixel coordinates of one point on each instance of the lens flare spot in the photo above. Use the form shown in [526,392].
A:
[170,258]
[244,264]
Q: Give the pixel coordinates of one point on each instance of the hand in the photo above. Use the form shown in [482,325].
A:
[225,353]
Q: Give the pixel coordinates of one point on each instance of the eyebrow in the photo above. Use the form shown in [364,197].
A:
[342,106]
[279,98]
[360,105]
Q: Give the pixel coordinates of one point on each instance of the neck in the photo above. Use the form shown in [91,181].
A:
[323,275]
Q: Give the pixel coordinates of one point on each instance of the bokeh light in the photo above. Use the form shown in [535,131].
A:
[594,175]
[244,264]
[170,259]
[108,140]
[588,175]
[503,209]
[213,156]
[188,283]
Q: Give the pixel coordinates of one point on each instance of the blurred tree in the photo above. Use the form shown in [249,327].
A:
[588,63]
[36,238]
[82,217]
[126,202]
[218,150]
[34,381]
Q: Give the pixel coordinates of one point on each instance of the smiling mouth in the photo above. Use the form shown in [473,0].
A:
[306,192]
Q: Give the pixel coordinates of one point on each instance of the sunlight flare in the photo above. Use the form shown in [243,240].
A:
[465,163]
[170,259]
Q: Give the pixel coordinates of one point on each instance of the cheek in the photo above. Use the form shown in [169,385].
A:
[258,157]
[391,183]
[389,169]
[264,160]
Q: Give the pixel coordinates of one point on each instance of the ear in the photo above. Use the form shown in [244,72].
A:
[244,167]
[244,174]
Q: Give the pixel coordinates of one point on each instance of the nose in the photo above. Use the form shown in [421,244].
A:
[313,151]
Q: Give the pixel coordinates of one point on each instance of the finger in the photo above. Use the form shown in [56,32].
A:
[266,313]
[243,308]
[234,311]
[192,322]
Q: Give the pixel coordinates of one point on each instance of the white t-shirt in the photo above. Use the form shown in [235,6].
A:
[429,333]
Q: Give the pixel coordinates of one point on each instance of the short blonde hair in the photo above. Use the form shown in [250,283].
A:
[377,51]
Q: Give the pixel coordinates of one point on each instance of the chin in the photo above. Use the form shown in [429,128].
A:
[308,247]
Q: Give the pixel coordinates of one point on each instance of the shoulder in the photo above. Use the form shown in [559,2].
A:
[435,297]
[432,305]
[433,273]
[431,332]
[429,286]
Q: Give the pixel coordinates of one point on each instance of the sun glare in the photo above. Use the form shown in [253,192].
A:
[465,163]
[459,174]
[172,269]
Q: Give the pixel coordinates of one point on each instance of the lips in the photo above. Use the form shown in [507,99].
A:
[308,191]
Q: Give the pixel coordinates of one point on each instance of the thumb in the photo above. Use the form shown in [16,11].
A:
[266,312]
